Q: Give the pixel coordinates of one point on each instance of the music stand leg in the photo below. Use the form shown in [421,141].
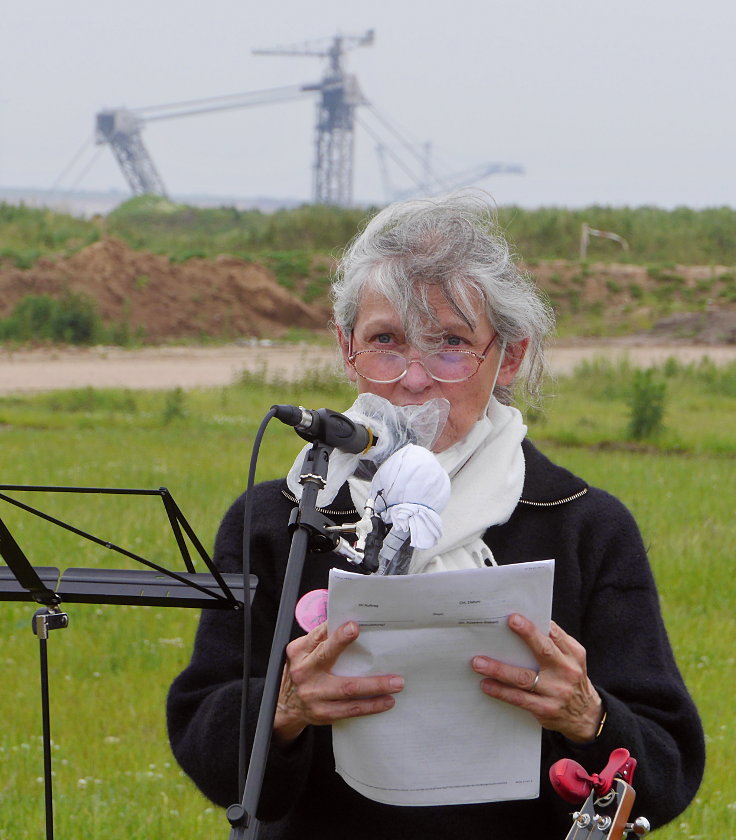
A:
[45,620]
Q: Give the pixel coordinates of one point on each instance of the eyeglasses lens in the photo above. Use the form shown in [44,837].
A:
[379,366]
[452,366]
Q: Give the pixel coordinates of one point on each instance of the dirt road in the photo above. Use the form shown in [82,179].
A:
[190,367]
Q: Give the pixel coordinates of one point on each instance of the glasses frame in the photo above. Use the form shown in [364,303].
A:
[479,357]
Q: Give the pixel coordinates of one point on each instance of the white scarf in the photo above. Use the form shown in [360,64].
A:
[486,472]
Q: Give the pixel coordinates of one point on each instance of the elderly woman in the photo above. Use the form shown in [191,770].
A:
[428,303]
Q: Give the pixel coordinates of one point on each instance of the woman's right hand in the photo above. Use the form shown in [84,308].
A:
[311,694]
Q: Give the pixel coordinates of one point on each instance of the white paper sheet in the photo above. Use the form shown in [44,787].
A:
[444,742]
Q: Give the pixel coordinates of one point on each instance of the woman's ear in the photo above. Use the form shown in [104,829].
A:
[344,341]
[513,356]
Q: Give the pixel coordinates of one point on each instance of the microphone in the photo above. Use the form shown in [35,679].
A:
[328,427]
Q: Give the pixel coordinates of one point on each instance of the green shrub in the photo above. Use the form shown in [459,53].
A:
[288,266]
[73,320]
[671,367]
[21,258]
[77,321]
[646,405]
[174,406]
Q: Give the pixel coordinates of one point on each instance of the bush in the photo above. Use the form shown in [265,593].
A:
[646,405]
[71,320]
[174,406]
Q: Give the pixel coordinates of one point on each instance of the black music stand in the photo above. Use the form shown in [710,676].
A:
[154,586]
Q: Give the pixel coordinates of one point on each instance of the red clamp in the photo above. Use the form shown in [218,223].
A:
[573,784]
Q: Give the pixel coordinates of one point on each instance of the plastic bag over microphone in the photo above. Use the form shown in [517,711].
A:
[394,425]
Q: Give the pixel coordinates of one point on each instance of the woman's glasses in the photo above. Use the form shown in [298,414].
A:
[385,366]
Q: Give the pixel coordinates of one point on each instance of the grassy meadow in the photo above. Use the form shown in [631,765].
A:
[110,670]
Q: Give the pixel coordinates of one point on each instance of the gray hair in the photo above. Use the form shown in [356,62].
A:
[452,243]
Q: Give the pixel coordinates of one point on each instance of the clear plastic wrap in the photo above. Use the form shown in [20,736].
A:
[394,425]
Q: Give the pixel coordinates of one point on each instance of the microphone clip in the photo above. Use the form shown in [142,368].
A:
[319,528]
[370,531]
[325,536]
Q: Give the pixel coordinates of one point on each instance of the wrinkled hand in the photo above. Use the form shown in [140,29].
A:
[563,699]
[311,694]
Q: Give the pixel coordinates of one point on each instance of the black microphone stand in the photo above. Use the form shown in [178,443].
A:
[308,532]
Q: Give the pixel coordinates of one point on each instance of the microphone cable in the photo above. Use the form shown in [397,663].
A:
[247,520]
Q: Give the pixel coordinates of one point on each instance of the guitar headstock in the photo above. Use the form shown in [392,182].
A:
[606,818]
[610,798]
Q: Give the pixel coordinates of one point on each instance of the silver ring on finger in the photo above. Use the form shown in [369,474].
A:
[533,688]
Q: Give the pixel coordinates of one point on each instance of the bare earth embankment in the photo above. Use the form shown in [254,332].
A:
[191,367]
[229,298]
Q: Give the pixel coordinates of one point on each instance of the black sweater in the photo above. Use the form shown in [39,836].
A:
[604,596]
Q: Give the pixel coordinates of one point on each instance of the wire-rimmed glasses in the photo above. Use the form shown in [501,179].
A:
[387,366]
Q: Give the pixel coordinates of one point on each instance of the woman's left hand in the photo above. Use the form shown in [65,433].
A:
[559,694]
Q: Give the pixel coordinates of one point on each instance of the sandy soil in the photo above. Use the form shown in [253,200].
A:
[167,300]
[190,367]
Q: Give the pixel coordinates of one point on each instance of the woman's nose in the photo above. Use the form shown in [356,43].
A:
[416,378]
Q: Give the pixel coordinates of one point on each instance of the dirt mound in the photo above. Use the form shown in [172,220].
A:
[225,297]
[230,298]
[597,281]
[678,303]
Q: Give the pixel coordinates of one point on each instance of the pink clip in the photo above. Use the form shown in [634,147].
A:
[573,784]
[311,611]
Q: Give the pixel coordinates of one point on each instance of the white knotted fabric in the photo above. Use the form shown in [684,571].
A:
[486,471]
[410,490]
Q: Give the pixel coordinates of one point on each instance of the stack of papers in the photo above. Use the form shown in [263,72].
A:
[444,742]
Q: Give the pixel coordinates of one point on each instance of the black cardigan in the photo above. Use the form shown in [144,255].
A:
[604,596]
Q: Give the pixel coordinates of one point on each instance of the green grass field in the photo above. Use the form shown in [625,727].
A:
[110,670]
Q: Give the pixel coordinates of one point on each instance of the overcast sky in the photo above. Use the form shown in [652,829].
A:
[621,102]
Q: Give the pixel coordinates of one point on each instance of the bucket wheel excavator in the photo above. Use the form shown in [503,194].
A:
[339,96]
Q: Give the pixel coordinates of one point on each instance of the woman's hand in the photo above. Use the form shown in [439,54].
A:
[559,694]
[311,694]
